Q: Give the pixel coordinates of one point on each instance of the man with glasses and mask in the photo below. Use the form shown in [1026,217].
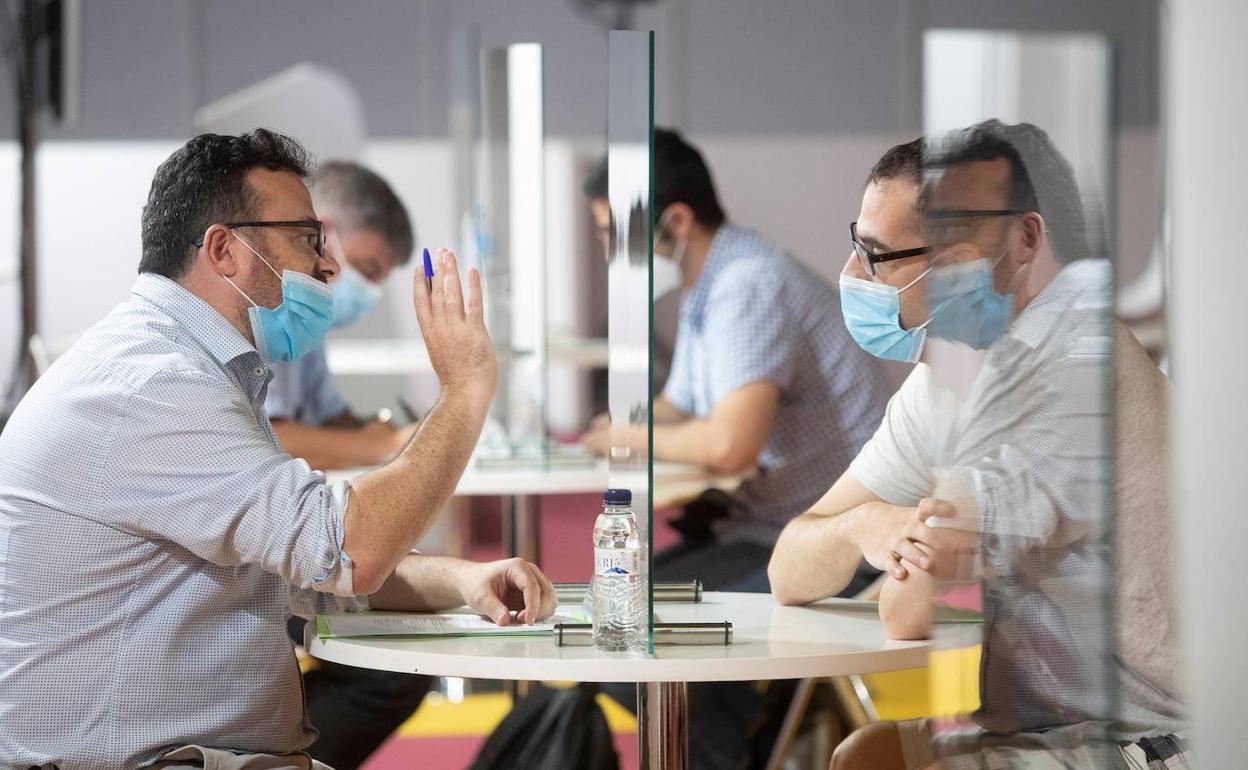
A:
[1008,481]
[765,383]
[154,537]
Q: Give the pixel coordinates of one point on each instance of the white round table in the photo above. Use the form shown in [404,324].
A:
[770,641]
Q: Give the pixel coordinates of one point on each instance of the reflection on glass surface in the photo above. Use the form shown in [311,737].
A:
[1002,437]
[506,228]
[629,181]
[1019,455]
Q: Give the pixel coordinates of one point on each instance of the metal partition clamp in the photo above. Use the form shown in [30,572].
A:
[704,634]
[687,591]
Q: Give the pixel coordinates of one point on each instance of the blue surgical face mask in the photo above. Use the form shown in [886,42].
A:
[296,326]
[873,316]
[354,296]
[966,307]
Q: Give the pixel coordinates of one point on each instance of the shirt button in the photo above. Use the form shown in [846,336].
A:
[259,371]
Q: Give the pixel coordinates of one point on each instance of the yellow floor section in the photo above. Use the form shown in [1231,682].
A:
[948,686]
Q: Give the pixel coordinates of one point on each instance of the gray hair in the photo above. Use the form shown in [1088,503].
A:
[358,199]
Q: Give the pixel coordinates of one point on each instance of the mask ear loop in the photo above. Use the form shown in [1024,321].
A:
[262,259]
[1011,286]
[253,251]
[240,291]
[932,315]
[678,253]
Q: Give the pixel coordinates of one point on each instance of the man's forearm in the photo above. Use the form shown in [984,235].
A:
[906,605]
[391,508]
[682,442]
[421,584]
[816,556]
[330,448]
[664,411]
[699,442]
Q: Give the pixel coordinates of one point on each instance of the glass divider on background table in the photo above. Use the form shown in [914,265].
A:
[630,132]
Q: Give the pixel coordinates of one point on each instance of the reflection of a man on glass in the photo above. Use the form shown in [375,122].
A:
[1007,479]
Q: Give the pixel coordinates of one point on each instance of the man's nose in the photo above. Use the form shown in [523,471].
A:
[853,268]
[327,264]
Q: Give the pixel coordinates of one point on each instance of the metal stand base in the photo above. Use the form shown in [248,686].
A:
[522,531]
[663,725]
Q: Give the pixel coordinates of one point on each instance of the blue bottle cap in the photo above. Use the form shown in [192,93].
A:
[617,497]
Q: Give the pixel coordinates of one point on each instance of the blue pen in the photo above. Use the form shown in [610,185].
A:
[428,271]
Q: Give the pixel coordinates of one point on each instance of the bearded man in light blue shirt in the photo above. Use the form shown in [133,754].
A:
[154,537]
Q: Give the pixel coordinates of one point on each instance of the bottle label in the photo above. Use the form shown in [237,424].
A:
[617,562]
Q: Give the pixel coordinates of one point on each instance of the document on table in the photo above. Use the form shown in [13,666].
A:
[431,624]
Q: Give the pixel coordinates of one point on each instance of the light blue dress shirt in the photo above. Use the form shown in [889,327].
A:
[153,540]
[757,315]
[304,391]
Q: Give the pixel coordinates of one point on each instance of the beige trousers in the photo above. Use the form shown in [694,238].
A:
[220,759]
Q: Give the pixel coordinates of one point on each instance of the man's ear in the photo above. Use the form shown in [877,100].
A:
[680,221]
[1031,236]
[216,250]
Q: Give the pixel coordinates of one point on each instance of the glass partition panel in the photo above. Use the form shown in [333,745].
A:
[630,255]
[506,230]
[1014,314]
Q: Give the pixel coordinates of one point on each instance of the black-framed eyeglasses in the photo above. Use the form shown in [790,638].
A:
[869,259]
[943,226]
[970,213]
[315,224]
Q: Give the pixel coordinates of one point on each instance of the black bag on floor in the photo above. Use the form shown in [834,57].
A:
[551,729]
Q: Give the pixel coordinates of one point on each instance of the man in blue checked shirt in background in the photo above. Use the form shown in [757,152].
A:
[765,382]
[154,537]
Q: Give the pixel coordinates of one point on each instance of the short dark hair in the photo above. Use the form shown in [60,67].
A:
[205,182]
[358,199]
[901,161]
[1041,179]
[680,176]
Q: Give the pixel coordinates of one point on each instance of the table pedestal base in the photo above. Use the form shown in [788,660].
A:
[663,725]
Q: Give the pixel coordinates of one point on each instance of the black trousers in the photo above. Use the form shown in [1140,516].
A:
[355,709]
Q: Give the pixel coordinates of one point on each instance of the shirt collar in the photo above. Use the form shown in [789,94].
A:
[694,302]
[1085,283]
[199,319]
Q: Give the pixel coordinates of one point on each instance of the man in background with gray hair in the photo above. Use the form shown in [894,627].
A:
[370,234]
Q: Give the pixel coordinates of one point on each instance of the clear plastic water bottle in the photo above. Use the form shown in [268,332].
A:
[618,589]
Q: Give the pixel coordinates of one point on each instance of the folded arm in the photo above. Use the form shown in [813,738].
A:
[906,605]
[819,551]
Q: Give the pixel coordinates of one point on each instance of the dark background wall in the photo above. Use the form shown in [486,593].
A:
[724,67]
